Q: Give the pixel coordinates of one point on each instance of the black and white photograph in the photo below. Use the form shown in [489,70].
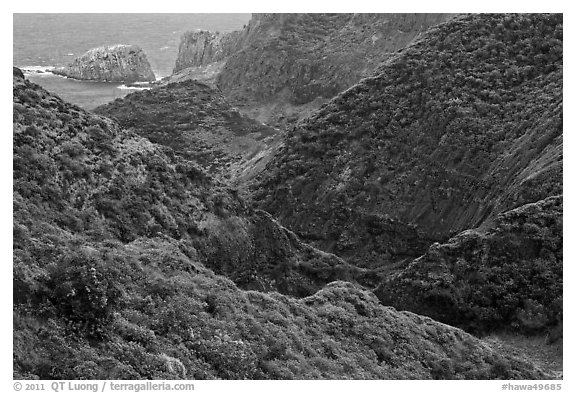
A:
[286,196]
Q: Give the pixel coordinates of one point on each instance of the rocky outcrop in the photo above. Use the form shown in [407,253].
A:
[200,48]
[117,63]
[17,73]
[282,66]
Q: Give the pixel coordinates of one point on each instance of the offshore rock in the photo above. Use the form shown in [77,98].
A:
[117,63]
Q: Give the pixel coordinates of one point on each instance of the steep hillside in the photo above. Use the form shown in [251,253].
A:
[114,239]
[78,175]
[194,120]
[451,131]
[282,66]
[507,276]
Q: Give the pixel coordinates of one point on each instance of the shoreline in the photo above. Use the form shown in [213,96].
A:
[49,71]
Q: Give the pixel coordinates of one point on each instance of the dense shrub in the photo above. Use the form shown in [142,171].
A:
[507,278]
[193,119]
[120,244]
[85,290]
[437,141]
[104,297]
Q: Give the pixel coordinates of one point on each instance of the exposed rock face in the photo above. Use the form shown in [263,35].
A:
[450,132]
[200,48]
[117,63]
[282,66]
[315,55]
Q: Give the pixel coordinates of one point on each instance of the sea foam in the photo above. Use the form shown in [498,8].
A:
[124,87]
[37,69]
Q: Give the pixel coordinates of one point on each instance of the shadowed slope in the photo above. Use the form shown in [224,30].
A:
[455,129]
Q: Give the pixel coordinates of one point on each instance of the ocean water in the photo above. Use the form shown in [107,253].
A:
[42,41]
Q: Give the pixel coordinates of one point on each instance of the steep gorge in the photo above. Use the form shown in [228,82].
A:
[461,130]
[434,185]
[116,245]
[447,134]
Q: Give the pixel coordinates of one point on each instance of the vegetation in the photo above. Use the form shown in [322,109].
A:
[194,120]
[309,56]
[506,278]
[131,261]
[79,174]
[114,242]
[453,130]
[281,66]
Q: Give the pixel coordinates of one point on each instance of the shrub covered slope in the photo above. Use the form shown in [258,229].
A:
[453,130]
[509,276]
[315,55]
[194,120]
[114,239]
[461,130]
[78,174]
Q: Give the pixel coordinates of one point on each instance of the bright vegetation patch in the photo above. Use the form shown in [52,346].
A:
[158,315]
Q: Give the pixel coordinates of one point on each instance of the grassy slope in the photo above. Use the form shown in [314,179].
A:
[110,276]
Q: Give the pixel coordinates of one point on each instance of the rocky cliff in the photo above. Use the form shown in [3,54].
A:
[200,48]
[117,63]
[282,66]
[315,55]
[458,127]
[116,244]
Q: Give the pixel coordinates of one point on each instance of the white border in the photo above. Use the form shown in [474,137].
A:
[293,6]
